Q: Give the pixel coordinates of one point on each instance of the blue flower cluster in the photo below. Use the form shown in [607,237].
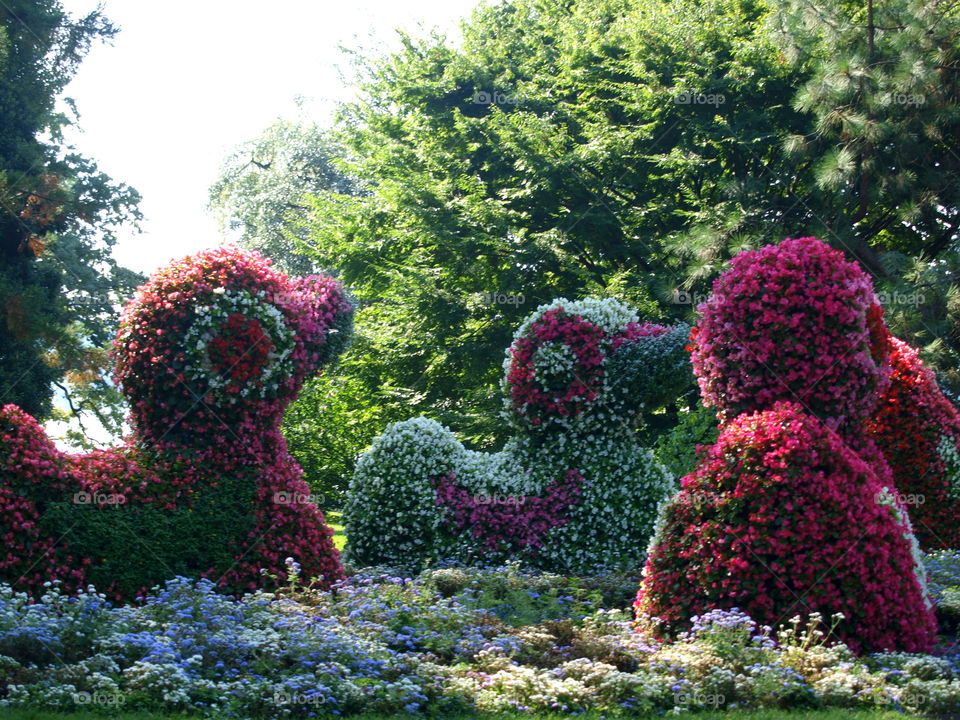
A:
[943,571]
[450,640]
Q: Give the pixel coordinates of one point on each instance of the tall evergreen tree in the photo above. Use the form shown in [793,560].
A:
[59,285]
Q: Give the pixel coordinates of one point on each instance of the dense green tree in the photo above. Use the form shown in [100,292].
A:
[59,285]
[630,148]
[260,193]
[554,153]
[884,152]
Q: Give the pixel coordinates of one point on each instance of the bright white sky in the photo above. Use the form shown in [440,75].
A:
[187,80]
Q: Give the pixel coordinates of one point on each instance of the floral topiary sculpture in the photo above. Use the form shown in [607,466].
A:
[793,510]
[573,490]
[209,353]
[918,430]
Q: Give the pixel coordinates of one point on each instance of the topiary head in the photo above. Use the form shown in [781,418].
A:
[220,338]
[591,364]
[794,322]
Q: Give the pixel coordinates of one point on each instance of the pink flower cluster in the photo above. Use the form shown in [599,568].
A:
[187,438]
[313,305]
[781,519]
[510,525]
[635,331]
[789,322]
[911,423]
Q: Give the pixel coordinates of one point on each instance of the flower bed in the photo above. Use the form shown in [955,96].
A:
[449,640]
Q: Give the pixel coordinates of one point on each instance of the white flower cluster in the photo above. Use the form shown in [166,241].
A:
[391,511]
[887,498]
[393,518]
[623,487]
[207,324]
[947,449]
[609,314]
[554,360]
[167,683]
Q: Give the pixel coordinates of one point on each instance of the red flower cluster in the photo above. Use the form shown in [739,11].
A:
[910,424]
[580,385]
[32,474]
[240,350]
[508,524]
[206,480]
[780,519]
[789,322]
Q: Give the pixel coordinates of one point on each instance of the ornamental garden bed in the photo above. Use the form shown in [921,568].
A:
[784,561]
[446,643]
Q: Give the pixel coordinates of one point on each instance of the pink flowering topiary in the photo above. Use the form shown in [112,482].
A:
[790,322]
[918,430]
[780,519]
[795,509]
[209,353]
[32,474]
[515,524]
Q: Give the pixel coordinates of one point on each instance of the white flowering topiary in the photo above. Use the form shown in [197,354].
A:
[573,491]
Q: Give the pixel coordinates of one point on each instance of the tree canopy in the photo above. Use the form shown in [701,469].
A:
[629,148]
[260,194]
[59,284]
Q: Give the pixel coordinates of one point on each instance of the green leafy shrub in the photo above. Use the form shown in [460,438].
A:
[326,428]
[677,448]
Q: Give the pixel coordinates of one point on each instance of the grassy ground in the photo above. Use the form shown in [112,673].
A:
[730,715]
[335,521]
